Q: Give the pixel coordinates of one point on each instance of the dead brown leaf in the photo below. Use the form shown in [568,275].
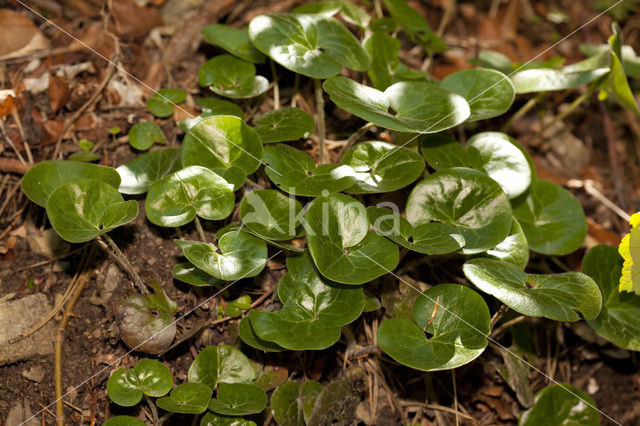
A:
[58,93]
[132,20]
[19,35]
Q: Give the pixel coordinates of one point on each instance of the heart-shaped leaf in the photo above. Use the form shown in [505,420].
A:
[187,398]
[175,200]
[231,77]
[249,336]
[84,210]
[188,273]
[382,167]
[238,399]
[467,199]
[149,377]
[404,106]
[233,40]
[488,92]
[551,218]
[289,400]
[454,336]
[271,214]
[212,419]
[240,255]
[43,178]
[554,296]
[314,309]
[162,102]
[285,124]
[324,8]
[124,421]
[341,244]
[220,142]
[295,172]
[349,11]
[215,106]
[143,135]
[430,238]
[415,25]
[442,151]
[216,364]
[514,249]
[561,405]
[546,80]
[313,45]
[619,320]
[137,175]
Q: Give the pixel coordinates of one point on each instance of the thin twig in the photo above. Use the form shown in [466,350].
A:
[499,313]
[105,243]
[455,395]
[498,331]
[353,139]
[11,144]
[446,17]
[154,410]
[48,261]
[588,187]
[320,115]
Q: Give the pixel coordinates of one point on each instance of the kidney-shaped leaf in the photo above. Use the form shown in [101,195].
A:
[467,199]
[314,45]
[233,40]
[151,377]
[212,419]
[216,106]
[138,174]
[215,364]
[551,218]
[162,102]
[124,421]
[284,124]
[175,200]
[554,296]
[187,398]
[488,92]
[456,335]
[231,77]
[546,79]
[382,167]
[289,400]
[188,273]
[271,214]
[249,336]
[341,244]
[404,106]
[295,172]
[143,135]
[220,142]
[240,255]
[619,320]
[561,405]
[514,249]
[415,25]
[238,399]
[82,211]
[43,178]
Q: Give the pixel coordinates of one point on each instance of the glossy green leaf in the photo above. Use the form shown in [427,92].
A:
[236,307]
[231,77]
[488,92]
[512,141]
[220,142]
[555,296]
[382,167]
[514,249]
[215,106]
[430,238]
[619,320]
[295,172]
[415,25]
[270,377]
[456,336]
[561,405]
[238,399]
[84,210]
[143,135]
[467,199]
[405,106]
[349,11]
[545,79]
[162,102]
[552,219]
[442,151]
[212,419]
[618,85]
[284,124]
[249,336]
[324,8]
[187,398]
[149,377]
[43,178]
[271,214]
[84,156]
[354,15]
[188,273]
[216,364]
[313,311]
[289,401]
[233,40]
[238,255]
[137,175]
[385,24]
[175,200]
[313,45]
[124,421]
[341,244]
[236,176]
[371,302]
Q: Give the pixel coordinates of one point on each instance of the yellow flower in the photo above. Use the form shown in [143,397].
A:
[629,249]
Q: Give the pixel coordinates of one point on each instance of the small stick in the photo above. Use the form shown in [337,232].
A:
[498,331]
[591,190]
[320,113]
[200,230]
[276,88]
[154,410]
[455,395]
[353,139]
[445,18]
[499,313]
[10,143]
[121,259]
[433,314]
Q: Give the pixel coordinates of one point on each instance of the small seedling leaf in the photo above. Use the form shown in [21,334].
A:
[216,364]
[162,102]
[143,135]
[238,399]
[149,377]
[231,77]
[187,398]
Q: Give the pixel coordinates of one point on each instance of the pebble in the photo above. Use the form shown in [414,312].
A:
[35,374]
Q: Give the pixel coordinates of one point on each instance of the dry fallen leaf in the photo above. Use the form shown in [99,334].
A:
[132,20]
[58,93]
[19,35]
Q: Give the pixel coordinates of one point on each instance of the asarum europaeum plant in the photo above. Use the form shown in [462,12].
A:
[480,200]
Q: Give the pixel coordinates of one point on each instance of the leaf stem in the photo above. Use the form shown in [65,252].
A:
[576,102]
[353,139]
[320,113]
[154,410]
[200,230]
[276,88]
[522,111]
[499,313]
[455,395]
[110,247]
